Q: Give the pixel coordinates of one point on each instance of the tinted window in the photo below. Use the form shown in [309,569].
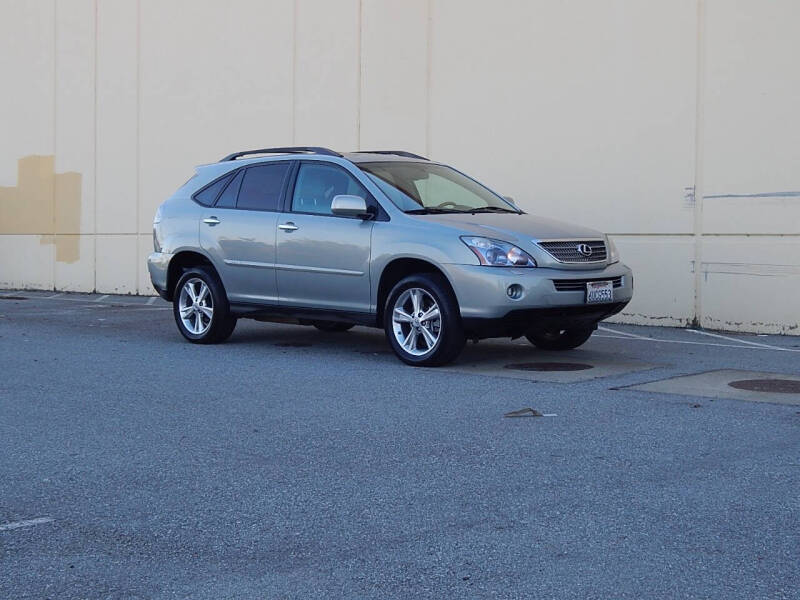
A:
[227,198]
[317,184]
[261,186]
[207,196]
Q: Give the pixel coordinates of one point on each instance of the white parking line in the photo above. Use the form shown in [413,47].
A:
[625,333]
[65,298]
[28,523]
[619,337]
[730,339]
[88,304]
[622,335]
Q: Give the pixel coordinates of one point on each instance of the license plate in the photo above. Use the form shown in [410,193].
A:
[599,291]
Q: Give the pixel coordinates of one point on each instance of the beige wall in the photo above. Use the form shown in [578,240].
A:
[671,124]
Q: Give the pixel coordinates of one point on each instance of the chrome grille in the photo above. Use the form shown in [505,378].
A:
[567,252]
[579,285]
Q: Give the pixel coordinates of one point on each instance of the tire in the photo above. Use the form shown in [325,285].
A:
[333,326]
[446,331]
[216,324]
[560,339]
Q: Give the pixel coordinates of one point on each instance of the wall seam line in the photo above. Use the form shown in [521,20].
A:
[294,72]
[138,132]
[428,53]
[94,168]
[55,142]
[360,73]
[699,151]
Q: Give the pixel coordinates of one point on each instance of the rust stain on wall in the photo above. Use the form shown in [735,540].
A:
[44,203]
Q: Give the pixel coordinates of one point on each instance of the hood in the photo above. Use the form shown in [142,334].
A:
[512,227]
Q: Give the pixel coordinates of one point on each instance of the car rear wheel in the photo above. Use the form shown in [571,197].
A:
[560,339]
[200,307]
[422,321]
[332,326]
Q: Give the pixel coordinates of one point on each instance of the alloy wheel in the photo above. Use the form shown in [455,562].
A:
[196,306]
[416,322]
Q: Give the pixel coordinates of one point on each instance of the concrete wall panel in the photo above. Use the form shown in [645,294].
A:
[213,78]
[663,281]
[76,276]
[751,284]
[751,167]
[326,85]
[27,262]
[75,117]
[27,73]
[580,110]
[752,133]
[117,264]
[144,248]
[606,114]
[394,75]
[117,116]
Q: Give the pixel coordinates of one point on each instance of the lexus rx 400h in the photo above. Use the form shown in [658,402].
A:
[383,239]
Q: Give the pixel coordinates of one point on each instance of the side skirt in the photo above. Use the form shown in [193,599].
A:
[300,315]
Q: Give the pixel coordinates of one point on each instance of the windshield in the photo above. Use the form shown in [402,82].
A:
[419,187]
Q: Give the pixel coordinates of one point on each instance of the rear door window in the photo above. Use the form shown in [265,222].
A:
[262,186]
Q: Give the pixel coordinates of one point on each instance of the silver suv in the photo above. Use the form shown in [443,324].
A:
[384,239]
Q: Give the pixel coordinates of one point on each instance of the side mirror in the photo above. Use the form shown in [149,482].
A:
[349,206]
[509,199]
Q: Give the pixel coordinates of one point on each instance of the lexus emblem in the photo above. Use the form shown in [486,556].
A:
[584,250]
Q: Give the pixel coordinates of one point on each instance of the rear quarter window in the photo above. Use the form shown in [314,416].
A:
[227,199]
[208,195]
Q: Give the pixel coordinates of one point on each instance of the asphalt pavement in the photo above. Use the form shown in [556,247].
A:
[292,463]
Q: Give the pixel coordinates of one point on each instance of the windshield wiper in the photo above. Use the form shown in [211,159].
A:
[493,209]
[451,211]
[431,211]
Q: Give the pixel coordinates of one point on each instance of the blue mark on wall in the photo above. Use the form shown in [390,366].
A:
[760,195]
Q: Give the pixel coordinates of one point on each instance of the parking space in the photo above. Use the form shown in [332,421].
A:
[730,383]
[720,365]
[519,361]
[289,462]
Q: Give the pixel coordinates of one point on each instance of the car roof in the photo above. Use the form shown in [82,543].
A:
[369,157]
[360,156]
[210,171]
[353,157]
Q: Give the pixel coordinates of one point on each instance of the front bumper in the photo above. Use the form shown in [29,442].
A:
[486,306]
[520,322]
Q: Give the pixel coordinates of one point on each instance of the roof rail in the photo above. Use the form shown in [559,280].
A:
[285,150]
[393,152]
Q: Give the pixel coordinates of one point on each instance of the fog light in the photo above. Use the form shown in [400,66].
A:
[514,291]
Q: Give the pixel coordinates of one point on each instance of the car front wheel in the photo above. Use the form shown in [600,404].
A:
[422,321]
[560,339]
[200,307]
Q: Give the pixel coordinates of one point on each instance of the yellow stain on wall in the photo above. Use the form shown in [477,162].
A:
[44,203]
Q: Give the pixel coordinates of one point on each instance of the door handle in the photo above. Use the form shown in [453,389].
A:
[288,226]
[211,221]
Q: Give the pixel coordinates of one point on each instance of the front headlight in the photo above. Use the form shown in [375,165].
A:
[497,253]
[613,253]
